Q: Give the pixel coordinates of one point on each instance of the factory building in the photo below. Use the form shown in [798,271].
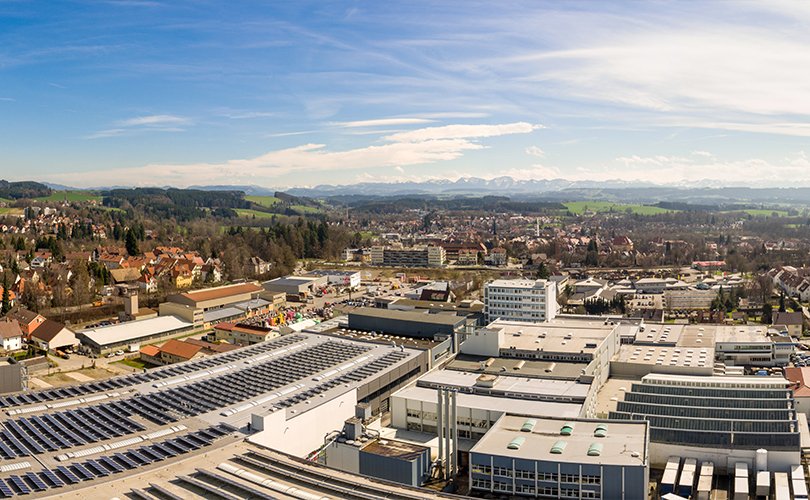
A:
[562,458]
[417,324]
[212,305]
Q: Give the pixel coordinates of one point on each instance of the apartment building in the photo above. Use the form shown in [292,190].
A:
[430,256]
[520,300]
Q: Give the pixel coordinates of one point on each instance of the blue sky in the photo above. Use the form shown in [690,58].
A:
[131,92]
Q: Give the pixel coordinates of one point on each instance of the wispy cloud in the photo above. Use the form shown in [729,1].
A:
[142,124]
[535,151]
[153,120]
[7,99]
[463,131]
[384,122]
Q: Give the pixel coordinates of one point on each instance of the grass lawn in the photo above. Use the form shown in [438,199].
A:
[263,201]
[12,211]
[132,363]
[71,196]
[761,212]
[303,209]
[580,207]
[244,212]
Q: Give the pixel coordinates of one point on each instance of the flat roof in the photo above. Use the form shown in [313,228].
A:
[494,403]
[564,335]
[332,327]
[695,357]
[431,304]
[528,368]
[333,272]
[518,385]
[292,281]
[617,447]
[518,283]
[134,330]
[414,316]
[222,292]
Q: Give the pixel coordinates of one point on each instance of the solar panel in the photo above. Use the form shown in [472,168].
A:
[5,491]
[68,474]
[111,464]
[36,481]
[96,468]
[19,485]
[50,477]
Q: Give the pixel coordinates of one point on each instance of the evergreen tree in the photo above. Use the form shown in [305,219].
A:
[132,243]
[6,307]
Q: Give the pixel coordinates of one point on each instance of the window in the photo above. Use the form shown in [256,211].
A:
[590,494]
[591,479]
[481,469]
[501,486]
[570,493]
[547,476]
[569,478]
[524,474]
[481,483]
[502,471]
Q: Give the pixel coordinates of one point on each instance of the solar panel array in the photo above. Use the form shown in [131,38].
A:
[79,390]
[131,459]
[69,428]
[712,416]
[215,393]
[355,375]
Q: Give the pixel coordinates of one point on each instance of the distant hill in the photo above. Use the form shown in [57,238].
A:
[23,189]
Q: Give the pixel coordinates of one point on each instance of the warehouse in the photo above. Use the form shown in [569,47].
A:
[406,323]
[295,287]
[130,335]
[212,305]
[349,279]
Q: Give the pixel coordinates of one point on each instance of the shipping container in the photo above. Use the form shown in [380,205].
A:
[686,483]
[704,487]
[740,469]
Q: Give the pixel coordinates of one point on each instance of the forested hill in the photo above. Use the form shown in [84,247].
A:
[23,189]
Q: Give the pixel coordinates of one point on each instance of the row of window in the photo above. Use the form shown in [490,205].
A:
[500,486]
[530,475]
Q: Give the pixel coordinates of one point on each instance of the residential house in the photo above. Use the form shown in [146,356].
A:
[28,321]
[176,351]
[259,266]
[622,244]
[792,320]
[52,335]
[10,334]
[151,354]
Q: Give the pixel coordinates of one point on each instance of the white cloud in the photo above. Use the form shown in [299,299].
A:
[422,146]
[535,172]
[152,120]
[384,122]
[463,131]
[535,151]
[7,99]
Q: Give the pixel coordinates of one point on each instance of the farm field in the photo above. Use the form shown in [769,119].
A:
[580,207]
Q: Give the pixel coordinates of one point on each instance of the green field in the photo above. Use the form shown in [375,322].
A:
[303,209]
[761,212]
[263,201]
[11,211]
[244,212]
[580,207]
[71,196]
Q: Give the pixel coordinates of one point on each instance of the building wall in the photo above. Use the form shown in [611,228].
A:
[11,377]
[182,311]
[343,457]
[12,343]
[503,474]
[411,472]
[302,433]
[420,416]
[407,328]
[64,338]
[723,458]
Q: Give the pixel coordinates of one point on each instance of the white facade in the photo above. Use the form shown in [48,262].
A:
[12,343]
[520,300]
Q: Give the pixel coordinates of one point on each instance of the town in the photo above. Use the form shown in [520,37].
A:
[253,346]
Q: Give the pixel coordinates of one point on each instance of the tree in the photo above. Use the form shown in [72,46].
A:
[132,243]
[542,271]
[6,307]
[782,302]
[767,314]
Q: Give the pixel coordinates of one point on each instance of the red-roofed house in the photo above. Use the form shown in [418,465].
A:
[799,377]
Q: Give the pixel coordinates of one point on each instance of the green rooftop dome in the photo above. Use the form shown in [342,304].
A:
[558,447]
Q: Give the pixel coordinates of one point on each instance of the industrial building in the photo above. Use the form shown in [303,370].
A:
[243,334]
[429,256]
[13,375]
[562,458]
[130,335]
[212,305]
[418,324]
[350,279]
[520,300]
[721,419]
[296,288]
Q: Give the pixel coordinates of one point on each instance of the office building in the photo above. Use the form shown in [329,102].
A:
[430,256]
[520,300]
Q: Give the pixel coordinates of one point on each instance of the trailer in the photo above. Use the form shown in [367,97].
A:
[668,481]
[741,488]
[799,489]
[686,483]
[781,486]
[763,483]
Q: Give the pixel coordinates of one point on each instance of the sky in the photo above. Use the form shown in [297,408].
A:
[281,94]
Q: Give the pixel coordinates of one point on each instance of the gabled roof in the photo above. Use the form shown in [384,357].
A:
[48,330]
[150,350]
[24,316]
[124,274]
[180,349]
[10,328]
